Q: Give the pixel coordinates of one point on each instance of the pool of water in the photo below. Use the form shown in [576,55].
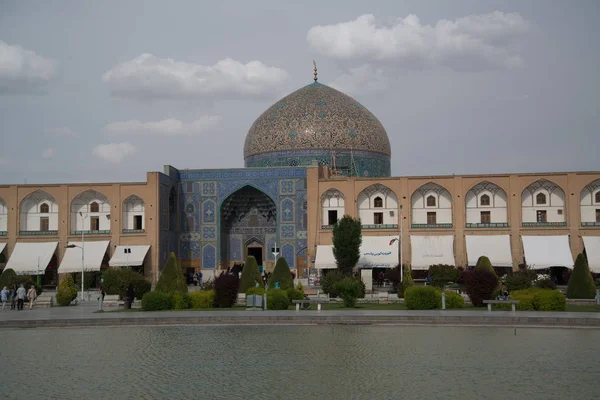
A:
[291,362]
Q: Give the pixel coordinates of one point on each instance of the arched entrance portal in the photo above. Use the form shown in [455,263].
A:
[248,226]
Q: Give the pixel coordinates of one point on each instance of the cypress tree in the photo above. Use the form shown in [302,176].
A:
[347,238]
[281,274]
[250,274]
[581,283]
[171,280]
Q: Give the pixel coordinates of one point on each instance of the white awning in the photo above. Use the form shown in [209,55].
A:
[494,247]
[431,250]
[2,246]
[547,251]
[93,255]
[592,249]
[377,252]
[129,256]
[324,258]
[29,258]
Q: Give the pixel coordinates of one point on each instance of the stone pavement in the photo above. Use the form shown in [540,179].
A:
[85,315]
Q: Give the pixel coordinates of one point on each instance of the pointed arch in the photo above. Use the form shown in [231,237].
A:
[589,204]
[543,204]
[378,206]
[133,214]
[486,206]
[431,206]
[90,212]
[33,219]
[332,207]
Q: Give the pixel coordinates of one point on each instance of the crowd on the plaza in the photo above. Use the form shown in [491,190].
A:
[17,297]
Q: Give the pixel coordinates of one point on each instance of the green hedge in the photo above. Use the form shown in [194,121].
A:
[157,301]
[255,290]
[203,299]
[441,274]
[117,280]
[535,299]
[422,298]
[453,300]
[350,290]
[67,291]
[329,280]
[277,299]
[294,294]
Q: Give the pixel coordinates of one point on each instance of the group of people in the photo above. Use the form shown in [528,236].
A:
[17,296]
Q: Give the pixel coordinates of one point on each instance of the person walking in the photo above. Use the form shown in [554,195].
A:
[13,297]
[4,296]
[31,295]
[130,296]
[21,293]
[101,298]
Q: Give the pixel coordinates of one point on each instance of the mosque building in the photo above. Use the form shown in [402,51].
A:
[312,157]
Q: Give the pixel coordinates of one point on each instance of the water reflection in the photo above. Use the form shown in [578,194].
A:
[354,362]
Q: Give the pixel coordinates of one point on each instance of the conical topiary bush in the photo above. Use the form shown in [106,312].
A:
[281,274]
[484,264]
[67,291]
[250,274]
[581,283]
[171,280]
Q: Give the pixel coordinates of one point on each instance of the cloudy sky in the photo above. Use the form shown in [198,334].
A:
[106,91]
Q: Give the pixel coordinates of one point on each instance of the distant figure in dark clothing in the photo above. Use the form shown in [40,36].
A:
[129,295]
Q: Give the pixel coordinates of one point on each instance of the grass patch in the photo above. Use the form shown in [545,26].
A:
[583,308]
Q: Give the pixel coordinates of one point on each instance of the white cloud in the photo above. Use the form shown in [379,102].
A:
[22,70]
[473,42]
[48,153]
[166,127]
[151,77]
[363,79]
[64,131]
[114,152]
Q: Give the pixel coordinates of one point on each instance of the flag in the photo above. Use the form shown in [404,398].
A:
[393,240]
[70,246]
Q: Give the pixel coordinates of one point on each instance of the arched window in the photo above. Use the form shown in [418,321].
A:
[44,208]
[597,197]
[540,198]
[430,201]
[94,207]
[378,202]
[485,200]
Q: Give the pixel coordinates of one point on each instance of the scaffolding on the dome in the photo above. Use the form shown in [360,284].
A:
[343,164]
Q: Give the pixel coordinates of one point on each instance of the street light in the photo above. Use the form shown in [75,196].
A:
[400,244]
[70,246]
[38,273]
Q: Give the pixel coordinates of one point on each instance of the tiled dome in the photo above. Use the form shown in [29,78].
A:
[310,123]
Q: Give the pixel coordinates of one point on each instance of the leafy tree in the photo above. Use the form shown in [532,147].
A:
[350,290]
[8,278]
[480,285]
[226,290]
[250,274]
[484,264]
[329,280]
[581,283]
[281,274]
[67,291]
[407,281]
[441,274]
[347,239]
[171,280]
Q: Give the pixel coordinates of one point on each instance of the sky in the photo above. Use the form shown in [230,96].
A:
[107,91]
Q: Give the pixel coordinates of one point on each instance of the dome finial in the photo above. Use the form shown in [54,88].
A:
[315,73]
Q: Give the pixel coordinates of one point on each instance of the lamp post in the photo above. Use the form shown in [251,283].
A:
[82,252]
[400,244]
[38,272]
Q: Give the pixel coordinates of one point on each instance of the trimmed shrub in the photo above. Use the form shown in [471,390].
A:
[181,301]
[25,280]
[294,294]
[117,280]
[281,274]
[157,301]
[441,274]
[226,290]
[300,288]
[422,298]
[67,291]
[329,280]
[256,290]
[350,290]
[171,279]
[581,283]
[8,278]
[545,283]
[484,264]
[520,280]
[203,299]
[407,281]
[549,300]
[250,274]
[480,284]
[277,299]
[453,300]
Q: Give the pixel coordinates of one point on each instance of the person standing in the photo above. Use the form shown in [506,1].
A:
[101,298]
[4,297]
[20,297]
[31,295]
[130,296]
[13,297]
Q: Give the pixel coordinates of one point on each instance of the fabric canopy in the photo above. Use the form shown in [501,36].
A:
[592,249]
[431,250]
[547,251]
[29,258]
[93,255]
[129,256]
[324,258]
[377,252]
[494,247]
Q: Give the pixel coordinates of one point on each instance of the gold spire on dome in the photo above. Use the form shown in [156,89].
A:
[315,73]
